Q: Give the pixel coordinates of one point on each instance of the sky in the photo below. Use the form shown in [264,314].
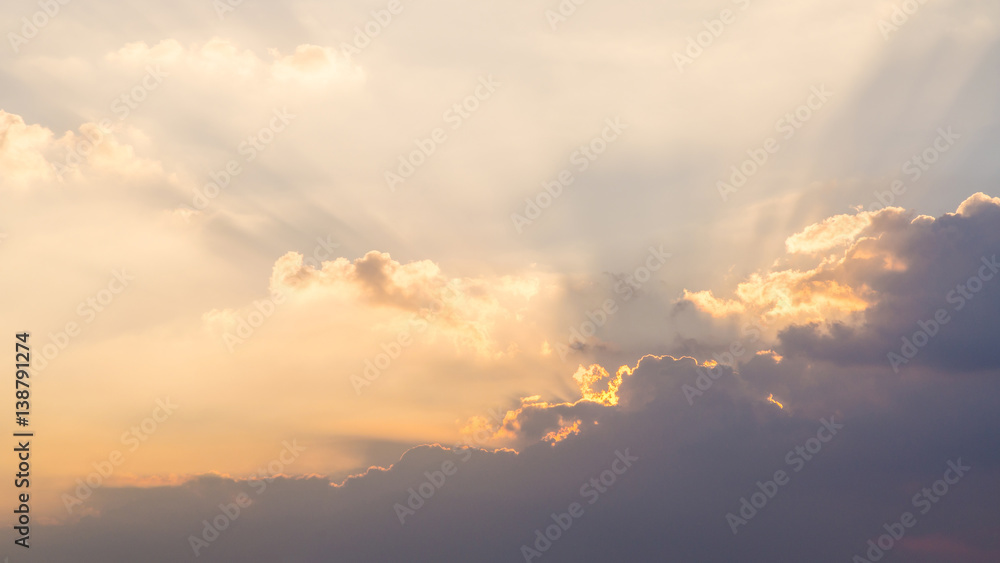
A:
[469,281]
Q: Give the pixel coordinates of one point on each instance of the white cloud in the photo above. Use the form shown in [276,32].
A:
[308,64]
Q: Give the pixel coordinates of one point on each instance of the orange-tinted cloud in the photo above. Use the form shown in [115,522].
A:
[831,233]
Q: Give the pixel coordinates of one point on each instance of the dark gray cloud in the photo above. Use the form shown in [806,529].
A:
[941,293]
[695,464]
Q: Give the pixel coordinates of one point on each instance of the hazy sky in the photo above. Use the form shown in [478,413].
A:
[265,247]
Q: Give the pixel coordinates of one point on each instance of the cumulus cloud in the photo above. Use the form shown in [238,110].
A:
[831,233]
[376,277]
[480,314]
[22,150]
[689,466]
[786,295]
[936,300]
[32,155]
[867,303]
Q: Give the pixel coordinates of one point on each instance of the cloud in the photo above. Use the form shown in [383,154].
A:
[22,149]
[376,277]
[308,64]
[929,278]
[896,271]
[689,467]
[831,233]
[32,156]
[479,314]
[978,203]
[786,295]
